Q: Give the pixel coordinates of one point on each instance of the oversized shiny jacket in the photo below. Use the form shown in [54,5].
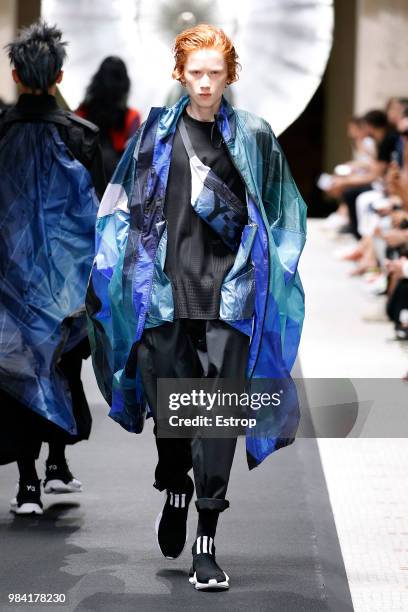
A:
[49,160]
[129,291]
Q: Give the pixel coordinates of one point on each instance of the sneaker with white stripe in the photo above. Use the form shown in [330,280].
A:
[205,574]
[171,523]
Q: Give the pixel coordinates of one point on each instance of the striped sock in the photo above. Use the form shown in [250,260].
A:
[177,500]
[204,544]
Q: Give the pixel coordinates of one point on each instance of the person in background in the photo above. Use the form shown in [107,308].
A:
[348,188]
[105,104]
[364,153]
[51,165]
[363,146]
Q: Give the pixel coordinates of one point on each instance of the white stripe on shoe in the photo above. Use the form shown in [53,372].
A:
[204,544]
[178,500]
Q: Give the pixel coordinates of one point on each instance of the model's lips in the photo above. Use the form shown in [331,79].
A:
[205,95]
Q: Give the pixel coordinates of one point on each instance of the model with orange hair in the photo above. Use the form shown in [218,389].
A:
[199,236]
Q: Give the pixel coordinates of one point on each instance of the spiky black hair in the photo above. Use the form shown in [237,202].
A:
[38,54]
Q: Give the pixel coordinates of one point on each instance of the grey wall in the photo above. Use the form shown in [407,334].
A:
[381,53]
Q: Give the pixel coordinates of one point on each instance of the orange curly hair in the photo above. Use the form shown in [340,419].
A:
[204,36]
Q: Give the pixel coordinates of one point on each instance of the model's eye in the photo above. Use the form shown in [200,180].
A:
[195,72]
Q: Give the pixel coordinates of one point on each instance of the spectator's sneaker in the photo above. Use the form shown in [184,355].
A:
[205,574]
[401,332]
[58,479]
[28,498]
[334,221]
[171,524]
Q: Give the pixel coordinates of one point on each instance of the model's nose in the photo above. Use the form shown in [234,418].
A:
[205,82]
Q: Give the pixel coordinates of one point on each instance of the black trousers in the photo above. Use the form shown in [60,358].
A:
[398,301]
[349,196]
[190,348]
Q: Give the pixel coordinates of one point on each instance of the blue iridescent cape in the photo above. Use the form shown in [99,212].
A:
[48,208]
[129,291]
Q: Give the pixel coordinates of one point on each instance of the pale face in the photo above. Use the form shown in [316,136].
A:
[205,78]
[395,112]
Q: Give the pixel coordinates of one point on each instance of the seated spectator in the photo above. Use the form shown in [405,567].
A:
[364,151]
[381,127]
[397,307]
[363,146]
[105,104]
[383,214]
[374,191]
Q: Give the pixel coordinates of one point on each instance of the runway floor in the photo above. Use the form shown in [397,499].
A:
[278,541]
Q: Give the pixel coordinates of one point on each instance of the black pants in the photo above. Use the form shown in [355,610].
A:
[398,301]
[350,196]
[190,348]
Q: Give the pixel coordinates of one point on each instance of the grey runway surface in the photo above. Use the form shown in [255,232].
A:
[277,541]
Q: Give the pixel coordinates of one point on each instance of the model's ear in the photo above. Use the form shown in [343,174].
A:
[15,76]
[60,76]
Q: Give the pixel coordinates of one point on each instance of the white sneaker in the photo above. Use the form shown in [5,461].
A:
[58,479]
[334,222]
[28,499]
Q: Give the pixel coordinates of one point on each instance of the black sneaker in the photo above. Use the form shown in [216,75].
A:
[59,479]
[28,498]
[205,574]
[171,524]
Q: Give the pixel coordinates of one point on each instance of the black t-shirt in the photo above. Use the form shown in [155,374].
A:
[387,146]
[197,259]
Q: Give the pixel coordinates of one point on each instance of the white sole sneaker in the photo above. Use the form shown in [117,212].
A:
[211,584]
[156,528]
[58,486]
[28,508]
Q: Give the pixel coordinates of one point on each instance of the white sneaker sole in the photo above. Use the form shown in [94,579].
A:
[211,584]
[58,486]
[156,528]
[25,508]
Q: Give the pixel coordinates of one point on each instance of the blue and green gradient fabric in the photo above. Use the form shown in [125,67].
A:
[48,212]
[129,291]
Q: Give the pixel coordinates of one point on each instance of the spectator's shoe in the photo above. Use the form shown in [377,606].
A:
[171,524]
[58,479]
[334,221]
[205,574]
[345,229]
[401,332]
[28,498]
